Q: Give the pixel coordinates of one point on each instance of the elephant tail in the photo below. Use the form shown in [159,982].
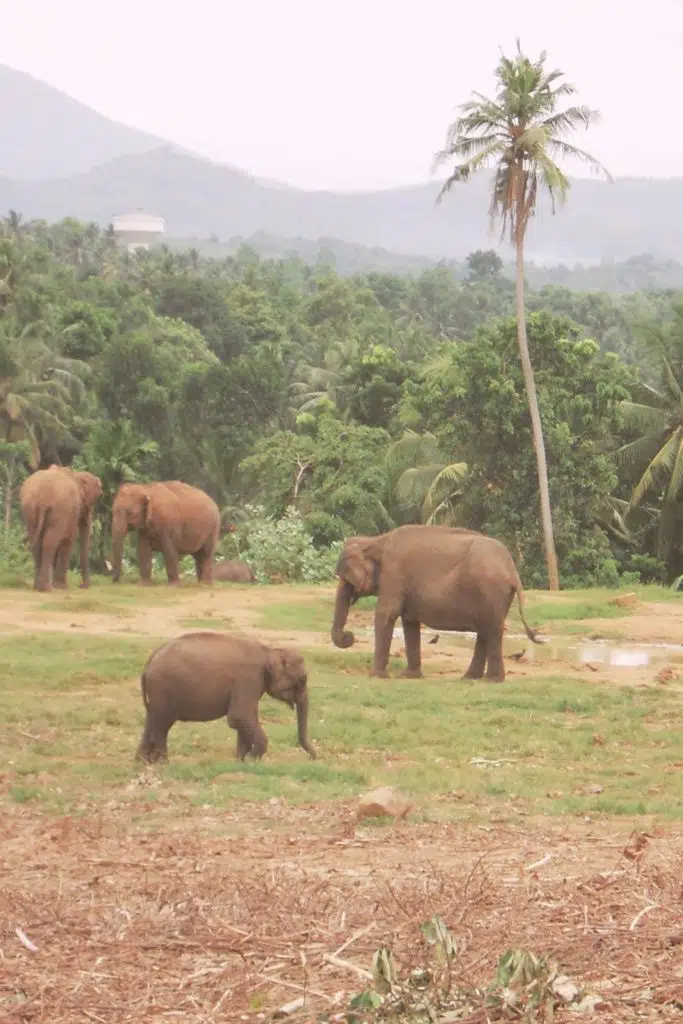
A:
[531,633]
[41,523]
[143,688]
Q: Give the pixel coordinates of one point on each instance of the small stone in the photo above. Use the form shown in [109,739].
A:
[625,600]
[587,1005]
[383,802]
[565,988]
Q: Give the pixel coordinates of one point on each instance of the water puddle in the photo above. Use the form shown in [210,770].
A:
[595,652]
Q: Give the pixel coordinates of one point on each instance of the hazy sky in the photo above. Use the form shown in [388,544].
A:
[351,95]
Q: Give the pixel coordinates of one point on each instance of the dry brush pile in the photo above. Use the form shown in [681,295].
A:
[99,923]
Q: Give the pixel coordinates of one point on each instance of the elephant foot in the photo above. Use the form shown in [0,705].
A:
[43,588]
[495,679]
[144,583]
[84,585]
[378,673]
[473,675]
[152,757]
[412,673]
[174,583]
[58,585]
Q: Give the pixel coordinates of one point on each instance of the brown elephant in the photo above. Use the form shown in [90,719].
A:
[56,506]
[446,578]
[171,517]
[202,676]
[233,570]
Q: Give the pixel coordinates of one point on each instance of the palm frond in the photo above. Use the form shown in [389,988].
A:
[559,148]
[443,488]
[643,417]
[659,467]
[414,483]
[648,395]
[676,480]
[569,119]
[672,384]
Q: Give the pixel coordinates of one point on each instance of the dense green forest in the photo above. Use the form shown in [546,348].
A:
[324,405]
[638,273]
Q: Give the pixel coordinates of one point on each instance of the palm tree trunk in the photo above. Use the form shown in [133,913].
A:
[536,427]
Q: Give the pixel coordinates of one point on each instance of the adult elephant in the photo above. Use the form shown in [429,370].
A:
[56,506]
[168,516]
[446,578]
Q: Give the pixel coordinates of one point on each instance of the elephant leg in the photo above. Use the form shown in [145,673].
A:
[153,743]
[203,561]
[384,631]
[476,666]
[46,560]
[84,532]
[243,745]
[411,636]
[145,559]
[172,562]
[250,736]
[495,669]
[62,559]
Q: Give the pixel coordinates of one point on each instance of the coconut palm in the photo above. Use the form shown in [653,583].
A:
[37,389]
[422,480]
[656,455]
[520,134]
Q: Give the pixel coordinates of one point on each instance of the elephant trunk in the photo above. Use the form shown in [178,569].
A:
[340,636]
[302,724]
[118,535]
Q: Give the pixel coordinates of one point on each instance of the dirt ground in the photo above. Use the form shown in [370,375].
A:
[233,916]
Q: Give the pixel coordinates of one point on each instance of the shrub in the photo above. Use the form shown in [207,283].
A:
[280,550]
[16,561]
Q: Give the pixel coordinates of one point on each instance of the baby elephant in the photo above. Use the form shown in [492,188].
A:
[202,676]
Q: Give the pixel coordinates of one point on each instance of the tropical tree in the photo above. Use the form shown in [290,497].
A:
[36,390]
[425,482]
[654,459]
[520,133]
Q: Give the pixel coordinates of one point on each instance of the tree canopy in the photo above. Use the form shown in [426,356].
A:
[362,402]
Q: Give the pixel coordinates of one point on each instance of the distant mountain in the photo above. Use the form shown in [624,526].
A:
[93,168]
[47,134]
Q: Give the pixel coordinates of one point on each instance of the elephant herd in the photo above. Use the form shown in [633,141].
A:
[443,577]
[169,516]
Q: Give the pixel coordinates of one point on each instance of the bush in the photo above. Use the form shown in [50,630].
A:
[280,550]
[16,561]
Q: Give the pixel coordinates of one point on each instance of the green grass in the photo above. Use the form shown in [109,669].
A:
[310,616]
[71,715]
[216,622]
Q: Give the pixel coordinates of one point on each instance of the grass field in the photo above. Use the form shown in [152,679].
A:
[561,749]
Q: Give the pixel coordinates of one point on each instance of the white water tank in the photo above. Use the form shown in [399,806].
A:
[137,230]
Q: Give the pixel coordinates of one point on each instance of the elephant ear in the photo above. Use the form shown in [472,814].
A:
[276,679]
[91,488]
[359,564]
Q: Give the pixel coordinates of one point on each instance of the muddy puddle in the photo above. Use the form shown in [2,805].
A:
[619,654]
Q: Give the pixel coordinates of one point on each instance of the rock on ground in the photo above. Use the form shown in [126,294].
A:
[383,802]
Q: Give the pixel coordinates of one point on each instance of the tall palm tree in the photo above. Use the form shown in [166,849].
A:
[519,134]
